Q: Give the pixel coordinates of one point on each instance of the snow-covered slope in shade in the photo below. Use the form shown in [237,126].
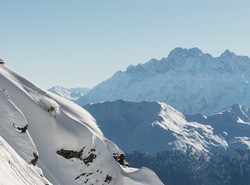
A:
[181,149]
[233,124]
[71,147]
[71,94]
[188,79]
[153,127]
[14,170]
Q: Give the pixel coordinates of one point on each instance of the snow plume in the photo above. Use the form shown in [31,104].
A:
[47,103]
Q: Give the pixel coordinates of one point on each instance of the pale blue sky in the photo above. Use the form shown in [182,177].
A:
[81,43]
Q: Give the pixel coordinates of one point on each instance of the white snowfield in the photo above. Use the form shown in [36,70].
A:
[55,125]
[14,170]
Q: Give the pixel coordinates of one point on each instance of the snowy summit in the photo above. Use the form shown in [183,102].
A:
[187,79]
[46,139]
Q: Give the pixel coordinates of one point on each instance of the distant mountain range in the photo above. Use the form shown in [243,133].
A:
[71,94]
[204,139]
[181,149]
[188,79]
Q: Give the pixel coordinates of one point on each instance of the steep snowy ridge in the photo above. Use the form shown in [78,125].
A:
[181,149]
[188,79]
[70,146]
[233,124]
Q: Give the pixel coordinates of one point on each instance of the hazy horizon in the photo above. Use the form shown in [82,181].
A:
[80,44]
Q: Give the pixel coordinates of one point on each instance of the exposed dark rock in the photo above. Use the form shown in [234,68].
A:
[86,181]
[89,158]
[34,161]
[92,149]
[69,154]
[23,129]
[2,62]
[83,174]
[120,159]
[108,179]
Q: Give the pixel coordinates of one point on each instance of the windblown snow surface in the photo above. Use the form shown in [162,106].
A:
[71,149]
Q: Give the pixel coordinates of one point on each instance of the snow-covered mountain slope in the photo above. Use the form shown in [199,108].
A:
[153,127]
[233,124]
[12,121]
[71,94]
[188,79]
[63,137]
[14,170]
[171,143]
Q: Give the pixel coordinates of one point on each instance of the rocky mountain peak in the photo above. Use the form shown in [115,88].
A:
[227,54]
[183,52]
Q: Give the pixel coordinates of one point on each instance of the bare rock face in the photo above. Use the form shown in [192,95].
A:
[68,154]
[2,62]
